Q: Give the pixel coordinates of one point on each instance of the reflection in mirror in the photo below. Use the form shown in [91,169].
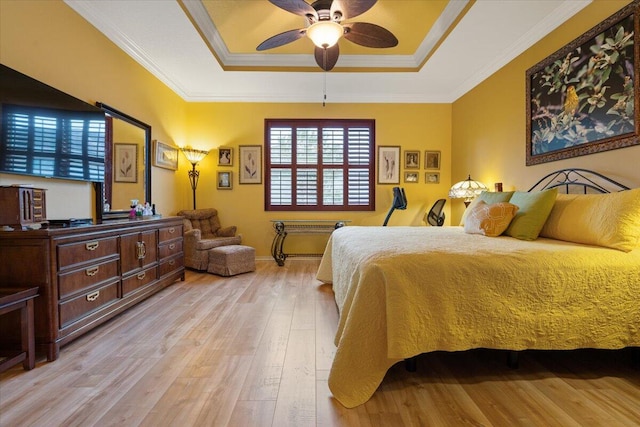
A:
[127,162]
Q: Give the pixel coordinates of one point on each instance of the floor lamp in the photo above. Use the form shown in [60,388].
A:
[194,156]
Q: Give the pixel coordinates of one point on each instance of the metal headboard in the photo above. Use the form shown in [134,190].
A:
[578,178]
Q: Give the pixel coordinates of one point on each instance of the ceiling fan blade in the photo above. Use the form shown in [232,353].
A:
[351,8]
[369,35]
[298,7]
[282,39]
[327,58]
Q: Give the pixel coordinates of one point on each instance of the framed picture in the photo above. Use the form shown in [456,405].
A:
[250,164]
[389,165]
[225,180]
[412,160]
[432,160]
[580,100]
[432,177]
[225,156]
[125,162]
[411,177]
[165,155]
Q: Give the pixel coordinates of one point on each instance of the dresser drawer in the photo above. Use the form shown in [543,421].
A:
[170,233]
[75,281]
[168,265]
[170,249]
[73,254]
[82,305]
[139,280]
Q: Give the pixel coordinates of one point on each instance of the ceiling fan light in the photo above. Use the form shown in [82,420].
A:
[325,34]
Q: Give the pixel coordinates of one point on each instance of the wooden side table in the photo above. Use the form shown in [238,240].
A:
[12,299]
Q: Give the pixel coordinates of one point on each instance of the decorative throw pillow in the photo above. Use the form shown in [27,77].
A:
[534,209]
[489,198]
[489,220]
[611,220]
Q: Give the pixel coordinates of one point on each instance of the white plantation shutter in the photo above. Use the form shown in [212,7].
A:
[319,164]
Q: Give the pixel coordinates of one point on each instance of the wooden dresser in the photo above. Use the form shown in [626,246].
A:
[88,274]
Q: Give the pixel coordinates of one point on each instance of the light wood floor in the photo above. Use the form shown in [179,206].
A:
[256,349]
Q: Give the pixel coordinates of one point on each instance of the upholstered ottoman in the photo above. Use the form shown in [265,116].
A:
[231,260]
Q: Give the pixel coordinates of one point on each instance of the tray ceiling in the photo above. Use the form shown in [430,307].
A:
[204,50]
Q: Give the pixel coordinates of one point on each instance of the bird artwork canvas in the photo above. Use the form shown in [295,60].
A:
[583,98]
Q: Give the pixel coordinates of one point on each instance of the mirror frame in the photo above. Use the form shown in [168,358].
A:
[109,167]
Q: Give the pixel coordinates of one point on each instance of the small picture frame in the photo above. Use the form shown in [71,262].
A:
[412,160]
[432,177]
[225,156]
[411,177]
[225,180]
[432,160]
[389,165]
[250,164]
[125,165]
[165,155]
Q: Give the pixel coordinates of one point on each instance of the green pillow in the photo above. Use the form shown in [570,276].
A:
[489,198]
[534,209]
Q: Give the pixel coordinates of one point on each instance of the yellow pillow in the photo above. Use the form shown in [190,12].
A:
[489,220]
[489,197]
[611,220]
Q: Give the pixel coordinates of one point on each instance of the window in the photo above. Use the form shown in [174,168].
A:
[319,165]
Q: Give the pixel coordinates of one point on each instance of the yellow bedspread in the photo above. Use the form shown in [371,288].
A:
[403,291]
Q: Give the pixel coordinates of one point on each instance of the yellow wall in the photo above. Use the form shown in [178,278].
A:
[489,124]
[413,127]
[48,41]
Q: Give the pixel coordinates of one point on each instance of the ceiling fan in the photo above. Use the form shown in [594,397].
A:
[325,28]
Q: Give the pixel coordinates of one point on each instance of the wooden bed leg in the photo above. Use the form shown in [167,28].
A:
[410,364]
[635,357]
[512,359]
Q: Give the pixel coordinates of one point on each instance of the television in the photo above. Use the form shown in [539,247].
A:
[48,133]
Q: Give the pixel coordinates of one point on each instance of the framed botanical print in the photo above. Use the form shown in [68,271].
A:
[125,162]
[250,164]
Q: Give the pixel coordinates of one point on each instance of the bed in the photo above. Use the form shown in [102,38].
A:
[404,291]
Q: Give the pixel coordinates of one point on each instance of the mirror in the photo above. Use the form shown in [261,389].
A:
[127,162]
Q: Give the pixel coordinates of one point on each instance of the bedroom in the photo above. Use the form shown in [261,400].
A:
[486,142]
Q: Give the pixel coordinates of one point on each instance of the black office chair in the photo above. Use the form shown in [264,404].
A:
[399,202]
[435,216]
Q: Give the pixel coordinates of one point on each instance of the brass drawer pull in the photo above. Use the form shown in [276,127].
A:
[93,296]
[172,262]
[172,230]
[92,246]
[172,246]
[141,250]
[141,275]
[92,271]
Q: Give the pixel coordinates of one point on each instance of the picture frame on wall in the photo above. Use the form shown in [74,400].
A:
[432,160]
[580,100]
[250,164]
[125,164]
[411,177]
[389,165]
[432,177]
[165,155]
[411,159]
[225,156]
[225,180]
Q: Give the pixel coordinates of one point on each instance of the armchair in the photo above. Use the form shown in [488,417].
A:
[202,231]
